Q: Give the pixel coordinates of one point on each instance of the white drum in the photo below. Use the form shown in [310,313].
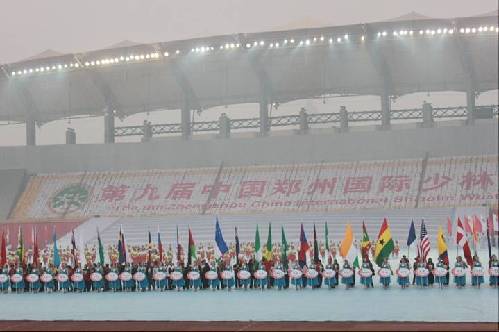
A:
[77,277]
[403,272]
[365,273]
[422,272]
[243,275]
[384,272]
[193,275]
[311,274]
[440,272]
[32,278]
[112,276]
[347,273]
[477,271]
[125,276]
[46,278]
[96,276]
[15,278]
[277,274]
[139,276]
[295,274]
[494,271]
[176,275]
[158,276]
[3,278]
[458,271]
[211,275]
[62,277]
[328,273]
[227,275]
[260,274]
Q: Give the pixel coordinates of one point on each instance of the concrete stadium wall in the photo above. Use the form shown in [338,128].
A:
[400,142]
[12,183]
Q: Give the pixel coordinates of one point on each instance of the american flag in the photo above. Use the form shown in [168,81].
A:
[424,242]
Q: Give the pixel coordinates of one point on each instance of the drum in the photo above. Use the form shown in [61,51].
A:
[311,274]
[494,271]
[96,276]
[125,276]
[365,273]
[158,276]
[227,275]
[422,272]
[62,277]
[3,278]
[295,274]
[277,274]
[15,278]
[176,275]
[440,272]
[458,271]
[77,277]
[403,272]
[347,273]
[243,275]
[46,278]
[384,272]
[477,271]
[260,274]
[193,275]
[211,275]
[32,278]
[328,273]
[139,276]
[112,276]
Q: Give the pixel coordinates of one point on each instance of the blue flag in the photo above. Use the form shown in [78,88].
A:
[57,258]
[412,234]
[219,239]
[237,245]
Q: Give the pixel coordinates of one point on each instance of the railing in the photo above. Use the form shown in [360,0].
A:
[312,119]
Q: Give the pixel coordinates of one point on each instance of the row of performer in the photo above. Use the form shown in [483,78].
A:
[143,278]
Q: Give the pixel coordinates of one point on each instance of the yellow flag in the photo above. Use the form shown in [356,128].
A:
[442,246]
[346,243]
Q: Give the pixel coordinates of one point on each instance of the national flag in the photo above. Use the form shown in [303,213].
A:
[20,246]
[191,250]
[219,239]
[477,229]
[284,249]
[238,248]
[36,256]
[463,242]
[356,263]
[467,226]
[101,249]
[365,244]
[304,248]
[73,249]
[267,253]
[316,247]
[3,251]
[412,234]
[442,247]
[179,250]
[149,248]
[424,243]
[326,243]
[57,258]
[449,227]
[258,248]
[160,247]
[384,245]
[347,250]
[121,247]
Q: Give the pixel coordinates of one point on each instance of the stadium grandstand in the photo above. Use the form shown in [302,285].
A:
[345,166]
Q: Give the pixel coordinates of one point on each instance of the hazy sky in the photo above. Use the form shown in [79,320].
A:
[28,27]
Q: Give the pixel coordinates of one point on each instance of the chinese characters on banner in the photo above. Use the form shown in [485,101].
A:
[461,181]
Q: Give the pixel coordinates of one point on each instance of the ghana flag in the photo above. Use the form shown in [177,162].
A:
[384,245]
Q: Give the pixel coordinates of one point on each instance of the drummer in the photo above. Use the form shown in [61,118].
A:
[78,286]
[35,286]
[421,280]
[476,280]
[460,281]
[494,264]
[347,281]
[278,282]
[366,280]
[163,283]
[48,286]
[195,283]
[298,282]
[4,286]
[143,284]
[64,286]
[114,285]
[386,280]
[99,284]
[330,281]
[403,281]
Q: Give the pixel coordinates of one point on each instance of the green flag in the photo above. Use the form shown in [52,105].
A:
[20,246]
[101,248]
[258,249]
[326,236]
[284,249]
[356,262]
[268,248]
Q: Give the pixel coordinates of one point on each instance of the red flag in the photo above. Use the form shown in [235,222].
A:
[467,226]
[463,242]
[477,228]
[3,252]
[160,247]
[36,257]
[304,247]
[490,224]
[449,227]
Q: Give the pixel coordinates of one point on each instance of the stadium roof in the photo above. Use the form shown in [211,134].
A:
[408,54]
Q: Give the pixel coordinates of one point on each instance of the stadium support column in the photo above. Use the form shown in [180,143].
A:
[185,120]
[70,136]
[108,126]
[427,115]
[264,117]
[470,104]
[343,119]
[223,126]
[303,121]
[385,110]
[30,131]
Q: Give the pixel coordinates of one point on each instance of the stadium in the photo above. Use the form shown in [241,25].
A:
[314,185]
